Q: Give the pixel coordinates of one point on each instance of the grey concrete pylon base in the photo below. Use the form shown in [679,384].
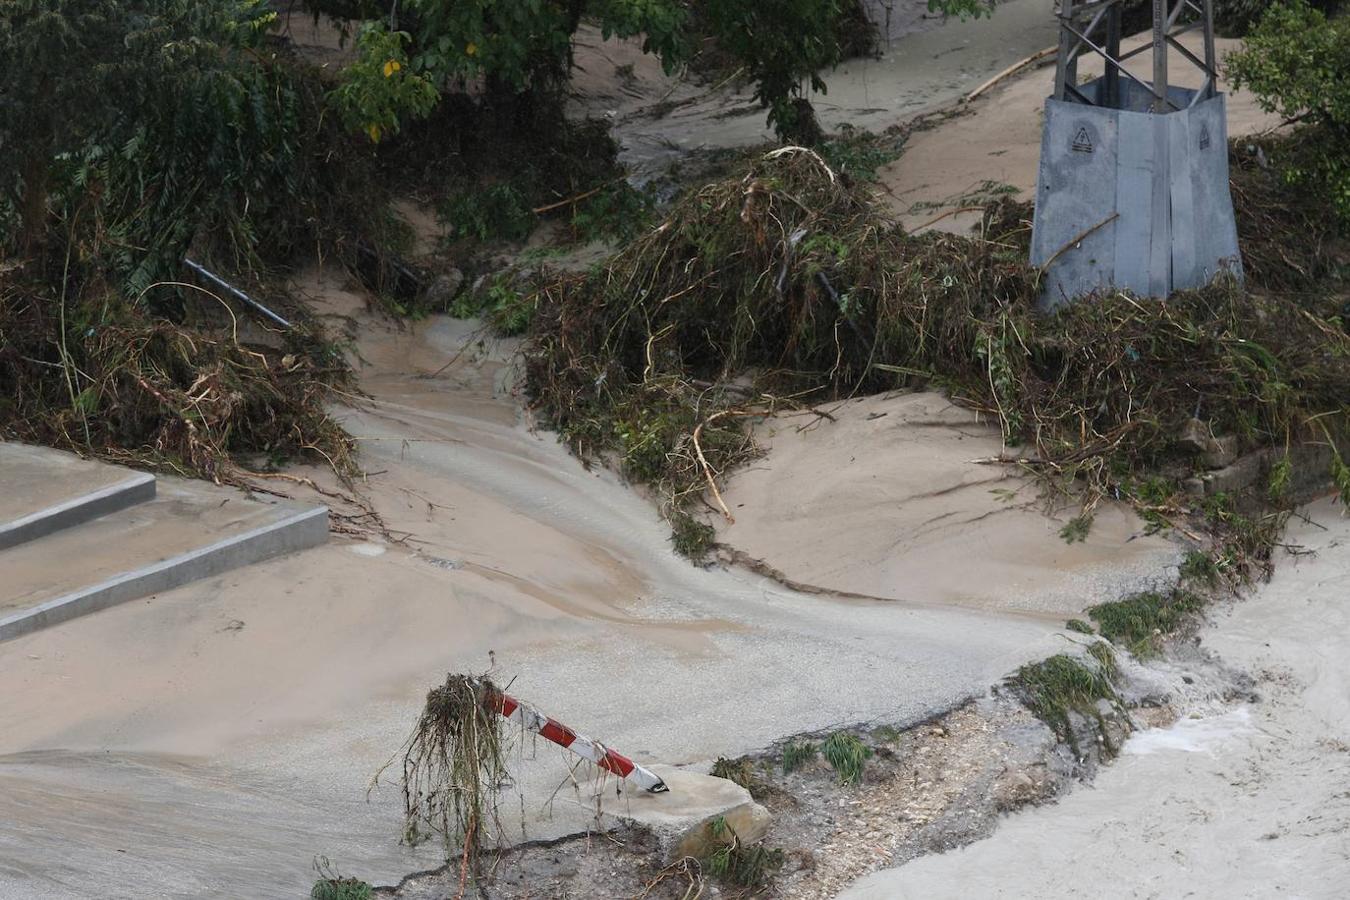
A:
[1130,199]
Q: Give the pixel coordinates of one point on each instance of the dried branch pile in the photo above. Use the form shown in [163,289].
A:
[146,391]
[788,283]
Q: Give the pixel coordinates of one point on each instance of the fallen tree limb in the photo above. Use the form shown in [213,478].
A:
[1011,70]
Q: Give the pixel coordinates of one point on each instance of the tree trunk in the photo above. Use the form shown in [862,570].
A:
[33,204]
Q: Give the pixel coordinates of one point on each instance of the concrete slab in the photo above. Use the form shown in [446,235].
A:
[190,530]
[682,817]
[44,490]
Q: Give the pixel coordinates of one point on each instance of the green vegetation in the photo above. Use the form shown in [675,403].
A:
[498,211]
[1199,566]
[1079,626]
[1076,530]
[690,537]
[499,302]
[1140,621]
[1235,18]
[860,154]
[738,865]
[797,754]
[1297,63]
[790,275]
[1244,539]
[847,755]
[1062,684]
[332,886]
[341,889]
[136,133]
[739,770]
[521,52]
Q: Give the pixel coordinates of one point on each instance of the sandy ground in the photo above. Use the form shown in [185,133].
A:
[1253,801]
[891,499]
[998,141]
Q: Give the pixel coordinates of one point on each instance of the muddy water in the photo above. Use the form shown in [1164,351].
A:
[925,64]
[212,740]
[1253,801]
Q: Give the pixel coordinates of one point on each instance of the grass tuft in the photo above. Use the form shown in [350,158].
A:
[1055,687]
[332,886]
[739,865]
[846,754]
[1139,621]
[737,770]
[797,754]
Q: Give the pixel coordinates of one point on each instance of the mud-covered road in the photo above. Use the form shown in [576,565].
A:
[1247,802]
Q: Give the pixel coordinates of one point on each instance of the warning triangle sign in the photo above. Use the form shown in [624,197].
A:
[1082,141]
[1204,137]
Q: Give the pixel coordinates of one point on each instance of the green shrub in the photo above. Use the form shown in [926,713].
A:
[1235,18]
[1297,63]
[341,889]
[498,211]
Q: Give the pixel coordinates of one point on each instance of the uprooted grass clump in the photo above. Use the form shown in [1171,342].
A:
[738,865]
[739,770]
[1140,622]
[453,765]
[111,379]
[1062,685]
[787,286]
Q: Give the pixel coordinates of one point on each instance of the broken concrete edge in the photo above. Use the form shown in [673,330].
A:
[683,818]
[1310,472]
[139,488]
[305,529]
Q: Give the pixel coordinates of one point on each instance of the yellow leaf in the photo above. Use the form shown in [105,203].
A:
[374,131]
[391,67]
[471,50]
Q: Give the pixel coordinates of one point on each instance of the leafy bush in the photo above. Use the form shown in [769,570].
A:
[380,88]
[183,128]
[1235,18]
[498,211]
[1297,63]
[523,48]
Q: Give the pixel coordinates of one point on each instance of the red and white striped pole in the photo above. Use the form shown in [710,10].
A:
[582,746]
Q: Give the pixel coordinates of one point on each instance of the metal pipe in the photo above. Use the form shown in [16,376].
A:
[226,286]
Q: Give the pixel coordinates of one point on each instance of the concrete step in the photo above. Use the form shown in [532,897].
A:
[44,490]
[190,530]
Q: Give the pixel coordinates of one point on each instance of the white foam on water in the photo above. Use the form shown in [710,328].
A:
[1191,735]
